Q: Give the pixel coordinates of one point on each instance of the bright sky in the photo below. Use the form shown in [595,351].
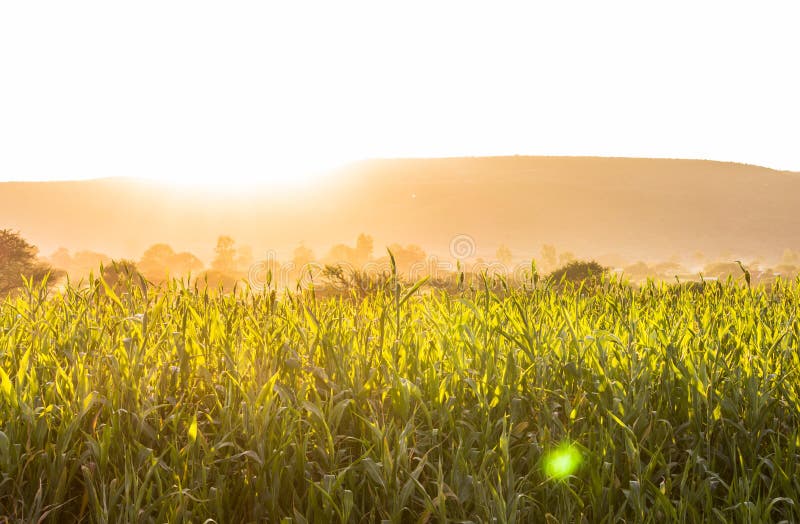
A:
[222,91]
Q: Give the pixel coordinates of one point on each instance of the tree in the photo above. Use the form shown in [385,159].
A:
[364,246]
[790,257]
[225,261]
[122,275]
[549,256]
[161,261]
[61,258]
[407,257]
[504,256]
[340,254]
[578,271]
[638,271]
[668,269]
[565,258]
[301,259]
[721,270]
[155,262]
[352,256]
[184,263]
[18,259]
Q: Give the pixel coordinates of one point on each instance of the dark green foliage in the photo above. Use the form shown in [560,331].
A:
[131,403]
[121,274]
[577,272]
[18,261]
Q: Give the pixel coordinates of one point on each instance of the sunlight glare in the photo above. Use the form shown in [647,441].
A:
[280,173]
[562,462]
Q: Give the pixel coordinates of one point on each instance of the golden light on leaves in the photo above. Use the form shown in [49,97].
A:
[193,430]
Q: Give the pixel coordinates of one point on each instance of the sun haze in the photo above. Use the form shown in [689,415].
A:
[190,92]
[366,261]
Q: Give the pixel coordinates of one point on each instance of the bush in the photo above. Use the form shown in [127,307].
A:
[121,275]
[578,271]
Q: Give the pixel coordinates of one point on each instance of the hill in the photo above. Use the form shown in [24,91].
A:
[637,208]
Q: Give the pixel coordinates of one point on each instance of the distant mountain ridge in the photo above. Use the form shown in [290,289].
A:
[639,208]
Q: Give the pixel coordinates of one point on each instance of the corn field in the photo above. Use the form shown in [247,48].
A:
[552,403]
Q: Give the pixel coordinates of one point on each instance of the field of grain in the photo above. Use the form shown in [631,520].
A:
[546,403]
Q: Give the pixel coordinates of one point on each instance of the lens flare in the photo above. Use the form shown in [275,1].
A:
[562,462]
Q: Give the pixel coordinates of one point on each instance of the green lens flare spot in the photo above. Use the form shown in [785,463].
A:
[562,462]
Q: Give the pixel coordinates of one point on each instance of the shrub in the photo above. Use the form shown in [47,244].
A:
[578,271]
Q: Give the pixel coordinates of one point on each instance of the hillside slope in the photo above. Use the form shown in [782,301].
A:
[639,208]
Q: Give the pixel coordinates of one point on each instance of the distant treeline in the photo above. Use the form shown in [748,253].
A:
[345,265]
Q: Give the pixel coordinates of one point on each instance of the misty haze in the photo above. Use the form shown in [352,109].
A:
[428,262]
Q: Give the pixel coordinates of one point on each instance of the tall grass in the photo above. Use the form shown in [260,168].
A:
[179,404]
